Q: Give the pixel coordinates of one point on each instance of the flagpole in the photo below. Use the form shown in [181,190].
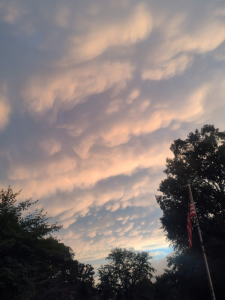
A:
[202,245]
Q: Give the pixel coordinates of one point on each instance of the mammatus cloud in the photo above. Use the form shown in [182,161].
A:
[92,95]
[64,89]
[133,24]
[4,107]
[168,69]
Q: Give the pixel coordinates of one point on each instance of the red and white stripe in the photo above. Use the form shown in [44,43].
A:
[192,210]
[191,213]
[189,230]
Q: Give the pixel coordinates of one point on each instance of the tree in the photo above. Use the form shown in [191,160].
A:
[33,263]
[125,273]
[201,160]
[164,287]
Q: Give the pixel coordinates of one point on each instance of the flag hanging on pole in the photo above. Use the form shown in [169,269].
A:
[191,213]
[189,230]
[192,210]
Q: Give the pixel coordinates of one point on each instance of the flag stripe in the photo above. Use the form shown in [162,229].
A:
[189,230]
[191,213]
[192,210]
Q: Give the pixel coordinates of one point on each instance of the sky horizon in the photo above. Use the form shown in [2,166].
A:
[92,94]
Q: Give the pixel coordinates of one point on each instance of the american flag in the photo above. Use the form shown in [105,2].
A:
[191,213]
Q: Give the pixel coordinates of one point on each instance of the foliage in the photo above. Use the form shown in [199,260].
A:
[125,274]
[199,159]
[165,287]
[34,264]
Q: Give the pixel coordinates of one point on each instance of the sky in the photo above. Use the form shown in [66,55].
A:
[92,94]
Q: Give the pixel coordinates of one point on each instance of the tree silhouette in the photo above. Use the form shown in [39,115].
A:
[33,263]
[127,275]
[201,159]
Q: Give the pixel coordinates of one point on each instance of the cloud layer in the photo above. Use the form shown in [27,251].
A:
[91,97]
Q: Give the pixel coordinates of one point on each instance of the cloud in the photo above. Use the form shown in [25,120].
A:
[181,34]
[128,29]
[92,95]
[4,107]
[168,68]
[11,11]
[110,229]
[63,90]
[50,146]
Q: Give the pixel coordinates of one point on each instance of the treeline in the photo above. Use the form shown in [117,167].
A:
[36,265]
[33,263]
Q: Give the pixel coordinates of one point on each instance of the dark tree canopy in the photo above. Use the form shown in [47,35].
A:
[199,159]
[127,275]
[33,263]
